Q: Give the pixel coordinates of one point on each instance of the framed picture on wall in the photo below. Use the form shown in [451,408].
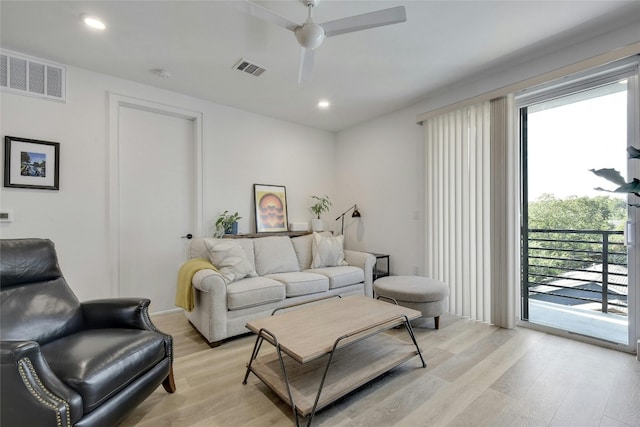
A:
[271,207]
[29,163]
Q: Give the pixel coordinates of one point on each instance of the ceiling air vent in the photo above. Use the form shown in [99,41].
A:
[249,68]
[31,76]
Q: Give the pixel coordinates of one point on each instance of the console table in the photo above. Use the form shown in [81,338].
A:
[344,334]
[266,234]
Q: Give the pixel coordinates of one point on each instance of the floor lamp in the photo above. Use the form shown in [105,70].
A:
[355,214]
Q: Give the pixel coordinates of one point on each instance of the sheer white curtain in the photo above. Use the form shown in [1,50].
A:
[463,225]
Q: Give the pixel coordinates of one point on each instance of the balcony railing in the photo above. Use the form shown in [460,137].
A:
[585,268]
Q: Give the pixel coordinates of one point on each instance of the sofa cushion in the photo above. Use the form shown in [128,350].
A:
[328,251]
[301,283]
[340,276]
[98,363]
[230,259]
[253,291]
[274,254]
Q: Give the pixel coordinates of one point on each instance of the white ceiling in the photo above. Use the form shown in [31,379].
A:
[365,74]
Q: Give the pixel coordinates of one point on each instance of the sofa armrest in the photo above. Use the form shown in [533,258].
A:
[366,262]
[211,281]
[209,315]
[32,394]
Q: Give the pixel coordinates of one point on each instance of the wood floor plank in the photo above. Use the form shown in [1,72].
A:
[477,375]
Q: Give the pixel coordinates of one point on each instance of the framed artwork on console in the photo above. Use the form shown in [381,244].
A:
[29,163]
[271,207]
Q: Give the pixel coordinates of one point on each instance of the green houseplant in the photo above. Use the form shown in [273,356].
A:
[227,223]
[614,176]
[321,205]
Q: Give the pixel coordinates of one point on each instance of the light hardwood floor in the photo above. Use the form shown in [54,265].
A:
[477,375]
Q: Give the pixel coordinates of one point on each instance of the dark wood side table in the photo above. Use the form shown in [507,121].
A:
[379,272]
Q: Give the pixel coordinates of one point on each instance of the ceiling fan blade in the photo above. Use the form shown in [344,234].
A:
[380,18]
[306,66]
[263,13]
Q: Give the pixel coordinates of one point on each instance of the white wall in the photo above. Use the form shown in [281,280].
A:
[380,169]
[241,149]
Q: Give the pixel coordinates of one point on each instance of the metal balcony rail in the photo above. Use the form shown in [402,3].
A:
[577,267]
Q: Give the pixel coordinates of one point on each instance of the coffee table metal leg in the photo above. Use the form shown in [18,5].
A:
[254,355]
[407,324]
[324,377]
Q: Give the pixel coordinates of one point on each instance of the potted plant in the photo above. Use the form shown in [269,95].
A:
[320,206]
[227,223]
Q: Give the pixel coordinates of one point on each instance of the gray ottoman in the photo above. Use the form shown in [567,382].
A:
[420,293]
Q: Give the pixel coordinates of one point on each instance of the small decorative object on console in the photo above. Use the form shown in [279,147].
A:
[322,205]
[227,224]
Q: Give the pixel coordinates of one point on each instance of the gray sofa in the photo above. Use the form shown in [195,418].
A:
[281,271]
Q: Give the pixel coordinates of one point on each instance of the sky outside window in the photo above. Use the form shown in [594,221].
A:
[569,136]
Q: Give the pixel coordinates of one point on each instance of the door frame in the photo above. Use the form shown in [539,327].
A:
[633,226]
[630,67]
[116,102]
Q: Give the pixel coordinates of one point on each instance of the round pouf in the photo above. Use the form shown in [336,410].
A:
[420,293]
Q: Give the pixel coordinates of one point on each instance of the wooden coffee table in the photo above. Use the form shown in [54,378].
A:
[343,334]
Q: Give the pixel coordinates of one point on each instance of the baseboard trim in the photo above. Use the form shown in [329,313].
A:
[170,311]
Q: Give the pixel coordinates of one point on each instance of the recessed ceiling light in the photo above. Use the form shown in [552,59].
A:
[94,23]
[324,104]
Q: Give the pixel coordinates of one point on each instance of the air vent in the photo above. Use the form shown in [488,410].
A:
[249,68]
[31,76]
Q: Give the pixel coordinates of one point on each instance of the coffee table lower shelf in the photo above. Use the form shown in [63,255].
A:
[352,367]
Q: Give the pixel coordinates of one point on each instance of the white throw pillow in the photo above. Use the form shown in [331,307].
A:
[229,258]
[327,251]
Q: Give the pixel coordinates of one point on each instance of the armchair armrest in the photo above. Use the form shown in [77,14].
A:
[129,313]
[32,394]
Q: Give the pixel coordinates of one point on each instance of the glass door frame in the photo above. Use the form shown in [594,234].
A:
[592,78]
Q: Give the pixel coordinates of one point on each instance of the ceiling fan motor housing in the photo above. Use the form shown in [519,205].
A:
[310,2]
[310,35]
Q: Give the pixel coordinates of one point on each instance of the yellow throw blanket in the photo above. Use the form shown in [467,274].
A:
[185,296]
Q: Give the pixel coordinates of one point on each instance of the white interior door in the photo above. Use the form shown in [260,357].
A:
[156,200]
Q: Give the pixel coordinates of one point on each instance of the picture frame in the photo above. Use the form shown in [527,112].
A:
[270,208]
[31,163]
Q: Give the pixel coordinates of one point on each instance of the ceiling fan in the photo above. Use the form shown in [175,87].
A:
[311,35]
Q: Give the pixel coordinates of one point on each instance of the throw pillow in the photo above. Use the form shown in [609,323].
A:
[327,251]
[230,260]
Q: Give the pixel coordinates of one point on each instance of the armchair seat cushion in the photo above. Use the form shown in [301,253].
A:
[98,363]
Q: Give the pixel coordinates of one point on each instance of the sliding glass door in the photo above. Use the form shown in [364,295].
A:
[575,268]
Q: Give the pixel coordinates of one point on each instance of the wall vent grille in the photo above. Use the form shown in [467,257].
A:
[249,68]
[31,76]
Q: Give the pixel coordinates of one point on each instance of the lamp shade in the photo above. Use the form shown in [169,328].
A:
[356,212]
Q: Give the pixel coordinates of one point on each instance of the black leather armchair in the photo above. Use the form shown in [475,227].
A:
[66,363]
